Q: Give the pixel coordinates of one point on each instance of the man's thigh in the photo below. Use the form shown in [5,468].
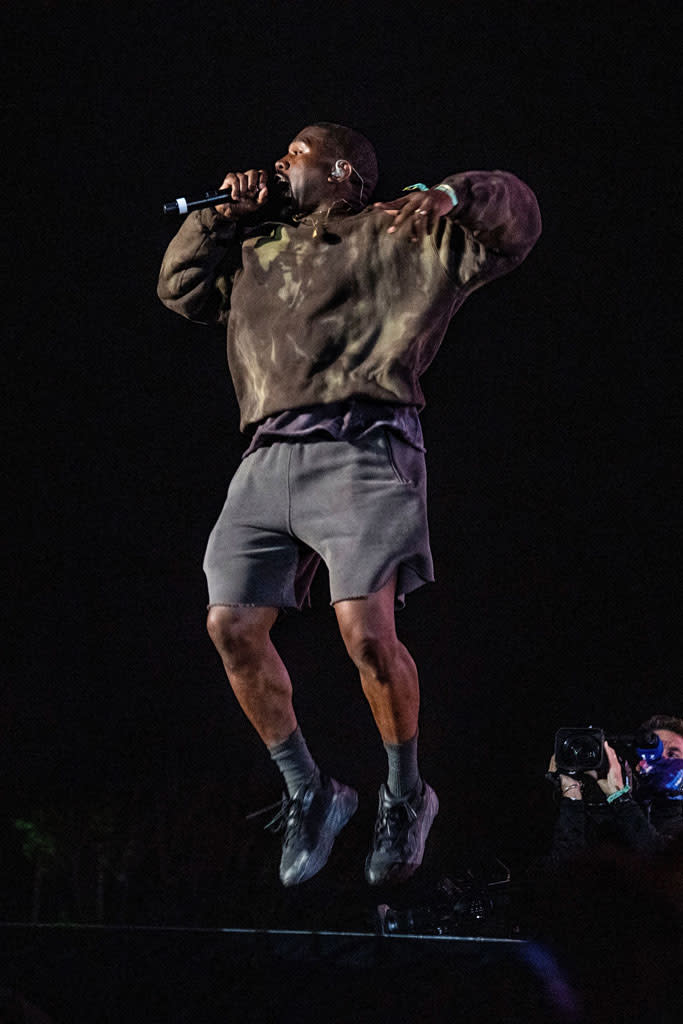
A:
[363,507]
[252,556]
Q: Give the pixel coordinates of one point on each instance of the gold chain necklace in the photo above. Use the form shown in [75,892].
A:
[321,221]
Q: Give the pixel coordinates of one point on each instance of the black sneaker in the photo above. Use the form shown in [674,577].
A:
[311,820]
[401,831]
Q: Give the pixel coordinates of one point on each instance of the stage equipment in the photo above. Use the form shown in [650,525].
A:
[475,902]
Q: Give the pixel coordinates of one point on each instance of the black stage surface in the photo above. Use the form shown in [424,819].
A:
[116,974]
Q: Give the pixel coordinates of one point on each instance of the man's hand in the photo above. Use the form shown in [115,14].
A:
[249,190]
[420,211]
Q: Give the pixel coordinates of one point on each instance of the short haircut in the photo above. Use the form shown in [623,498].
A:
[348,144]
[668,722]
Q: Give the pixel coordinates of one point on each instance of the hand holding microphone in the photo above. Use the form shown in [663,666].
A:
[241,193]
[248,189]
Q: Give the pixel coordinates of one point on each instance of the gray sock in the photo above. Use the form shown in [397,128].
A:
[403,771]
[294,760]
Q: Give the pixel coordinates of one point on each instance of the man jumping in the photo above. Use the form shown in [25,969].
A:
[333,312]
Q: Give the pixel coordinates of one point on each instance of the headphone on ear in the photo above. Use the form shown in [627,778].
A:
[337,171]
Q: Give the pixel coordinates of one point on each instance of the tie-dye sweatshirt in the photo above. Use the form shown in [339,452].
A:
[320,313]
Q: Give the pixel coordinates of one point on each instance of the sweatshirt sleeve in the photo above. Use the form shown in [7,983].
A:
[498,210]
[199,266]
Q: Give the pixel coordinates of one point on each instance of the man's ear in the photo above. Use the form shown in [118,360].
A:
[341,171]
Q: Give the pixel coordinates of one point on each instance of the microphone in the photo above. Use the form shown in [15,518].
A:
[183,205]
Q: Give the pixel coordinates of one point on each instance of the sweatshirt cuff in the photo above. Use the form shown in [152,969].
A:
[212,222]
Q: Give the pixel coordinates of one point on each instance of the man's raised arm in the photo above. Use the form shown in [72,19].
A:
[495,207]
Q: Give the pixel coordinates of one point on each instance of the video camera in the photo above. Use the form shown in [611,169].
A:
[582,749]
[579,749]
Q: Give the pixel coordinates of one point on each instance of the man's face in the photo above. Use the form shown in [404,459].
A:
[673,743]
[305,169]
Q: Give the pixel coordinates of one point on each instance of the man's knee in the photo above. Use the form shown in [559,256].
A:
[239,633]
[374,653]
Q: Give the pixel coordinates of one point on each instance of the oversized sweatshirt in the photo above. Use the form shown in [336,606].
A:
[325,312]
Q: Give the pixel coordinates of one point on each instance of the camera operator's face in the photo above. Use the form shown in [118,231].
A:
[672,742]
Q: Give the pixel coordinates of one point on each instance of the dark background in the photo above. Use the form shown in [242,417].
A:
[550,425]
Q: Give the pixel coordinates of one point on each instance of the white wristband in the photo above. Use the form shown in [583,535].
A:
[450,192]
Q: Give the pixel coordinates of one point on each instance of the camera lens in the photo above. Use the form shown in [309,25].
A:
[581,751]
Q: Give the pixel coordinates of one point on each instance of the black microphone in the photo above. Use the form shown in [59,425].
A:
[183,205]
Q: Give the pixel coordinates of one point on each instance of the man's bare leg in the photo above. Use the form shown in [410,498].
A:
[256,672]
[387,671]
[262,686]
[317,808]
[407,805]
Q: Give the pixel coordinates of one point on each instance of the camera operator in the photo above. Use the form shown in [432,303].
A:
[605,904]
[607,806]
[660,784]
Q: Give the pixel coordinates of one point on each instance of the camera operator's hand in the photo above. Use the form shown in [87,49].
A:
[614,781]
[569,786]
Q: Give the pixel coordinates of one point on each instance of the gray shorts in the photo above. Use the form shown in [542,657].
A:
[359,506]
